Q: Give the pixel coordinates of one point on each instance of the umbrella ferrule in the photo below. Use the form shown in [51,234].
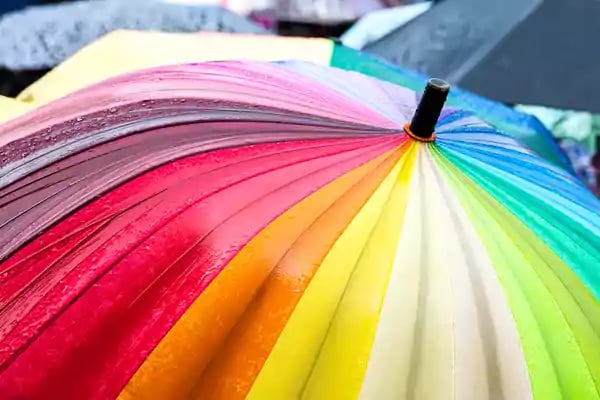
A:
[428,111]
[411,134]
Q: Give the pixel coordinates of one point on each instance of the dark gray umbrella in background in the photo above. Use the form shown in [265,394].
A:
[515,51]
[38,38]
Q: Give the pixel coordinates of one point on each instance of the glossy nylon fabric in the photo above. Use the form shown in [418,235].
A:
[249,230]
[126,49]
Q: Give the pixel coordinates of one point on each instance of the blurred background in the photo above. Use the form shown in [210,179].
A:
[538,57]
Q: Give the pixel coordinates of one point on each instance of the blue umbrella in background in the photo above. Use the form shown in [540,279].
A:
[11,5]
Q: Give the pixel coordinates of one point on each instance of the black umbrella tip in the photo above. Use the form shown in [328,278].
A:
[428,111]
[438,84]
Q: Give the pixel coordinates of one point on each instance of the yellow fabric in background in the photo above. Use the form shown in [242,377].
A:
[11,108]
[124,51]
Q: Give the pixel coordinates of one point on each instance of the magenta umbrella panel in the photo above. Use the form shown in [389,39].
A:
[251,230]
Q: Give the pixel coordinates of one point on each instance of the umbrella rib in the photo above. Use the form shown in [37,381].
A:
[416,352]
[350,189]
[502,224]
[108,269]
[321,345]
[486,330]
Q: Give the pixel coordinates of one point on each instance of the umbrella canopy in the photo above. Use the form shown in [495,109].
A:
[240,229]
[127,52]
[42,37]
[515,51]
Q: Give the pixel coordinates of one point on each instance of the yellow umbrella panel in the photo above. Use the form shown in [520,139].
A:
[11,108]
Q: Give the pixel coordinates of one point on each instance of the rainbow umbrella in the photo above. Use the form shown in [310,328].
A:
[277,231]
[128,52]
